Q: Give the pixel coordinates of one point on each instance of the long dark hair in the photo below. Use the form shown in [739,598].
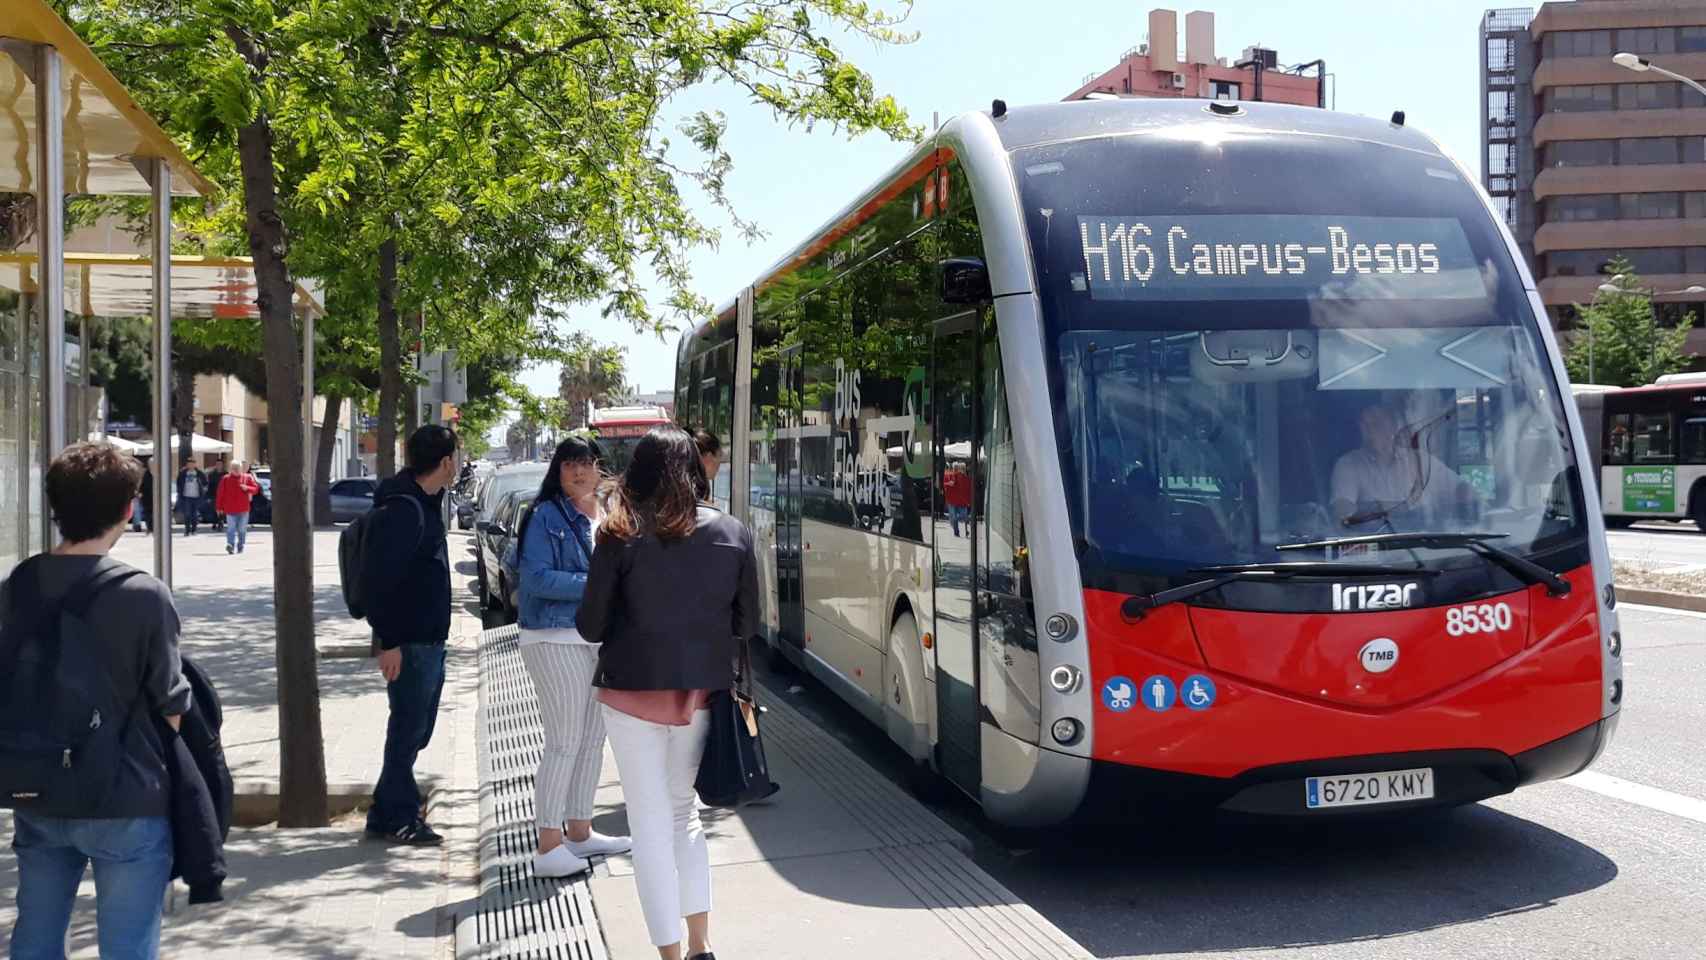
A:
[661,490]
[571,450]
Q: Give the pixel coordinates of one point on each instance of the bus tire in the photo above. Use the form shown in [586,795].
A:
[904,700]
[1619,523]
[1697,505]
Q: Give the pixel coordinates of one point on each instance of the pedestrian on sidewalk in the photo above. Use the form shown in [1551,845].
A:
[234,499]
[192,486]
[554,554]
[120,632]
[956,493]
[215,477]
[672,592]
[405,581]
[147,495]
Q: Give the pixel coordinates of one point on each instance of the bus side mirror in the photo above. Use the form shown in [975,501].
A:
[965,280]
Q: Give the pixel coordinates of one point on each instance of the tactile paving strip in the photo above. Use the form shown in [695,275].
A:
[518,915]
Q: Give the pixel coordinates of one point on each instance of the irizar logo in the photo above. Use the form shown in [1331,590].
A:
[1378,655]
[1373,596]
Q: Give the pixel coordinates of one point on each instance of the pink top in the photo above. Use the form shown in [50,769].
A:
[673,708]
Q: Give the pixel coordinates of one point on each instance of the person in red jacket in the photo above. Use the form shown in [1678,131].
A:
[232,499]
[956,493]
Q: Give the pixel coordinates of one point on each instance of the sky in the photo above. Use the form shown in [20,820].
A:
[1420,58]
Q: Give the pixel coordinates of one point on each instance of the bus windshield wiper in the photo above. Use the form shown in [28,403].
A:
[1251,572]
[1523,568]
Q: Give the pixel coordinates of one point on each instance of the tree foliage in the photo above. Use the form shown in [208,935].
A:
[592,372]
[1619,341]
[512,153]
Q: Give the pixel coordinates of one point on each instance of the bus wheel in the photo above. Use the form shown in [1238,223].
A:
[1619,523]
[1697,505]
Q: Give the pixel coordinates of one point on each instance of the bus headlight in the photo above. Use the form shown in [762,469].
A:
[1066,731]
[1063,678]
[1060,627]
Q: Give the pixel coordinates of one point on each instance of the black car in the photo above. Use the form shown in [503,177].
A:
[497,581]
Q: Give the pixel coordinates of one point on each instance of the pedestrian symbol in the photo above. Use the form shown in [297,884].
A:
[1198,692]
[1159,693]
[1117,694]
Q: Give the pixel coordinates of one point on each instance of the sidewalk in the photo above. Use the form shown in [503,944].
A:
[840,865]
[323,893]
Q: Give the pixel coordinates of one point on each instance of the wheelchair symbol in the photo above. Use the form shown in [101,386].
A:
[1198,692]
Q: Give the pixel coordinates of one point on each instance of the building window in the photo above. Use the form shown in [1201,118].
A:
[1648,261]
[1650,206]
[1647,40]
[1577,43]
[1694,204]
[1580,99]
[1691,40]
[1226,90]
[1593,206]
[1633,151]
[1647,96]
[1580,153]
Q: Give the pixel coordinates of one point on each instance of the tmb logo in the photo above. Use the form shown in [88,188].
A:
[1373,596]
[1379,655]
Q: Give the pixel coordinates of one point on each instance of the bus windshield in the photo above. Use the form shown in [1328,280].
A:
[1267,341]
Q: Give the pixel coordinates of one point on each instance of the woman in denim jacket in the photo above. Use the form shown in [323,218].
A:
[553,556]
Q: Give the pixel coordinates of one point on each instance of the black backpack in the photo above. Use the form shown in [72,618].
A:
[352,546]
[63,726]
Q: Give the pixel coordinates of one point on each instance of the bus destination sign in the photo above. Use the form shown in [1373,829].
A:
[1269,257]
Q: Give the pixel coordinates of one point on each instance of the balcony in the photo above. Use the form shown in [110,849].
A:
[1567,71]
[1619,234]
[1567,181]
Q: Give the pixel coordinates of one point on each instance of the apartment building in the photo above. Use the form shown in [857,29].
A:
[1589,160]
[1157,68]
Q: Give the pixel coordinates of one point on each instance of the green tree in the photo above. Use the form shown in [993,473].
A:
[510,152]
[593,372]
[1618,340]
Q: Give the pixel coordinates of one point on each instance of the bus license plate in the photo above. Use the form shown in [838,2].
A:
[1359,789]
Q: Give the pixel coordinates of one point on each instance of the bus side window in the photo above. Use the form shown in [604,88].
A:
[1693,441]
[1617,431]
[1652,438]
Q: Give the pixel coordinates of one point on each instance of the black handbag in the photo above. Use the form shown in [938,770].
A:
[733,772]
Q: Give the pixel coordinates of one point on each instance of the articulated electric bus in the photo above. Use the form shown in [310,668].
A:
[1110,453]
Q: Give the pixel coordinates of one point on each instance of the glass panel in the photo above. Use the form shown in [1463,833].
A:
[1691,39]
[1693,440]
[1618,436]
[1010,674]
[1640,150]
[12,459]
[893,303]
[1652,438]
[1284,362]
[1694,204]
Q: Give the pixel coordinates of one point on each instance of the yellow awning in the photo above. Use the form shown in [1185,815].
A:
[105,131]
[122,285]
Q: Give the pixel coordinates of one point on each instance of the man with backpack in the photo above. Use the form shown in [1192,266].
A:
[405,594]
[88,659]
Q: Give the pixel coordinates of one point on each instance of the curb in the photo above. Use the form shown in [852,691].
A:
[1662,598]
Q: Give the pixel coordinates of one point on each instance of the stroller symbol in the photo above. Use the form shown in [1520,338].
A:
[1117,694]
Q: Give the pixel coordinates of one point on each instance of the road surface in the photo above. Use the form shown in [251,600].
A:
[1609,865]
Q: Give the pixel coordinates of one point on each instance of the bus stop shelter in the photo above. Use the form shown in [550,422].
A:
[69,128]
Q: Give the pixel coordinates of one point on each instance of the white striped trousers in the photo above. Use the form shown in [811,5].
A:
[574,731]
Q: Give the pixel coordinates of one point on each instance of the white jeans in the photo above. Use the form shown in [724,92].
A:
[574,731]
[658,764]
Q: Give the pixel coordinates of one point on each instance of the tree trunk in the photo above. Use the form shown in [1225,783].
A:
[323,460]
[390,358]
[411,402]
[183,411]
[302,749]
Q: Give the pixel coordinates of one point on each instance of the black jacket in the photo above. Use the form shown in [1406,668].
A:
[178,483]
[669,613]
[201,791]
[405,569]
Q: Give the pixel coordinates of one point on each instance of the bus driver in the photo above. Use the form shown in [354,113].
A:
[1390,473]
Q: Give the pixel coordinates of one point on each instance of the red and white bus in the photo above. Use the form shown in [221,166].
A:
[1276,504]
[618,429]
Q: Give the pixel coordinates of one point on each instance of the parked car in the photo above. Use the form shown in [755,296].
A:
[352,497]
[498,581]
[520,478]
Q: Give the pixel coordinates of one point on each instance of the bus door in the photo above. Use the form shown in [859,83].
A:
[954,435]
[790,594]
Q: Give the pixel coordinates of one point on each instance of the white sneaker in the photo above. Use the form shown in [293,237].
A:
[559,862]
[599,845]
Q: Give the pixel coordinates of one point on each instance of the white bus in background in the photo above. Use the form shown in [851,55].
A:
[1650,448]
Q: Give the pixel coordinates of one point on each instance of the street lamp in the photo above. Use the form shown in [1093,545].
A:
[1641,64]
